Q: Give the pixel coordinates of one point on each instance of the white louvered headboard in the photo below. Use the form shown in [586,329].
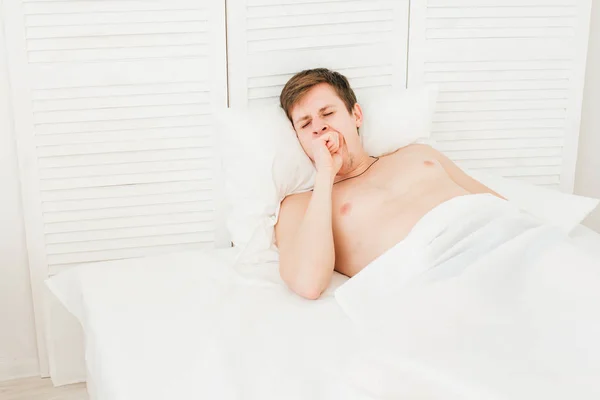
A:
[511,75]
[112,104]
[270,40]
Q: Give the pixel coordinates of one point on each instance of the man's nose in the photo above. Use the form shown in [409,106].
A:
[320,128]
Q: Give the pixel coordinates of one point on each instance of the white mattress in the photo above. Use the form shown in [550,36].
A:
[188,326]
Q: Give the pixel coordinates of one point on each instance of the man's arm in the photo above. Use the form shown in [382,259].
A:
[458,175]
[304,237]
[304,233]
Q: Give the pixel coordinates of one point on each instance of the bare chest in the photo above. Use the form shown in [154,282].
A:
[371,215]
[387,187]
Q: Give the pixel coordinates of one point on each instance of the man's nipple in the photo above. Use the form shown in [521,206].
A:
[345,208]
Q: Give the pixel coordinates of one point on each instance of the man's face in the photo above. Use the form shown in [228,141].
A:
[321,111]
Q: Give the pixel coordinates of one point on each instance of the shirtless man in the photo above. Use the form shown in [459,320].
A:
[360,206]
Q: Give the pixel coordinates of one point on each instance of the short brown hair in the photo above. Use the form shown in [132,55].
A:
[303,81]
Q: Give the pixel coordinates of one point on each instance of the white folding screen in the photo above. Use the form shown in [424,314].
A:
[112,103]
[270,40]
[511,75]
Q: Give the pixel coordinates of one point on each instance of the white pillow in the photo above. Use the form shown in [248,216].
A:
[396,118]
[262,160]
[249,139]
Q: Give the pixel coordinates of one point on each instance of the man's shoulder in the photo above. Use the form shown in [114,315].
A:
[296,200]
[420,148]
[293,207]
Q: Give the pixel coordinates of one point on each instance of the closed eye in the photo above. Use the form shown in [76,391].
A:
[308,123]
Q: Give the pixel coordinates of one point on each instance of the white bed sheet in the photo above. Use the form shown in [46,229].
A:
[188,325]
[586,239]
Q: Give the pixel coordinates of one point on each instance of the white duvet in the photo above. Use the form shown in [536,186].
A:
[480,301]
[483,301]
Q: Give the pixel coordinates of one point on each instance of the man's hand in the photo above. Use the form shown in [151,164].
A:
[327,153]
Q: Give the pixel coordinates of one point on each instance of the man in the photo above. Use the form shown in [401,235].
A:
[360,206]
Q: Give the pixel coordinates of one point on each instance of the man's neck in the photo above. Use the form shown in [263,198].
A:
[357,166]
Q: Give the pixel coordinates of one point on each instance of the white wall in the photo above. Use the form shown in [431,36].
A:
[587,180]
[18,351]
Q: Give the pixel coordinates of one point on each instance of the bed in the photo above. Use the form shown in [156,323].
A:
[197,325]
[220,323]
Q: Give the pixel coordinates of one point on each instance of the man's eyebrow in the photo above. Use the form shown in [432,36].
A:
[308,116]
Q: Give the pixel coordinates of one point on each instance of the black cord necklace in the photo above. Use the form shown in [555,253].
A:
[356,176]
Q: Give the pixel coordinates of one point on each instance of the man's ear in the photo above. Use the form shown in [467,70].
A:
[358,115]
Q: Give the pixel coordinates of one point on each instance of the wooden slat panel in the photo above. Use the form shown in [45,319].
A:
[312,31]
[56,92]
[514,75]
[491,105]
[484,154]
[474,126]
[105,102]
[70,249]
[125,157]
[255,3]
[491,144]
[125,190]
[124,169]
[192,205]
[116,29]
[531,171]
[58,260]
[505,95]
[317,41]
[504,85]
[118,147]
[72,238]
[495,3]
[117,54]
[530,114]
[500,22]
[270,86]
[149,122]
[510,162]
[66,209]
[126,179]
[124,222]
[116,41]
[270,41]
[134,151]
[82,6]
[175,132]
[496,10]
[106,30]
[112,103]
[482,134]
[107,21]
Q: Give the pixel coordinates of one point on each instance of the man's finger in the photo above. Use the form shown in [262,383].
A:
[336,143]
